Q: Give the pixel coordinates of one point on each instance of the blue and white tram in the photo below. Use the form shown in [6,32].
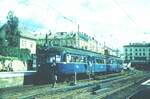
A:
[99,64]
[71,60]
[113,63]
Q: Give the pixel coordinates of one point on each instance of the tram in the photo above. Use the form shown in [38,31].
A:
[72,60]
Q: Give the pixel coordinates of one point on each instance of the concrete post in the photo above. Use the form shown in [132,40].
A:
[75,78]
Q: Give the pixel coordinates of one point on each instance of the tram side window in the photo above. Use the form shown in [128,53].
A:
[99,61]
[68,58]
[74,58]
[108,61]
[83,59]
[58,58]
[112,61]
[77,59]
[65,58]
[102,61]
[50,59]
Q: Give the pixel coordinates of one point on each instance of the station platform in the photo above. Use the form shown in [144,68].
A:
[18,78]
[16,74]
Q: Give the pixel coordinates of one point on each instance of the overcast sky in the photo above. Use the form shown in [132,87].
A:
[116,22]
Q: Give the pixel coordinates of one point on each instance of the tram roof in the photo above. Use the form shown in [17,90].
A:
[74,51]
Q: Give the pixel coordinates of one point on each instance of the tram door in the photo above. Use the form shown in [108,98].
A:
[90,66]
[106,62]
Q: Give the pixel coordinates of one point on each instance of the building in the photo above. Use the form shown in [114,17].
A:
[110,51]
[27,41]
[58,39]
[139,52]
[71,39]
[75,40]
[3,41]
[24,39]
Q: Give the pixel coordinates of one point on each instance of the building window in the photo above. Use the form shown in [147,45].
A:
[63,42]
[139,49]
[135,49]
[31,45]
[130,54]
[136,54]
[143,49]
[126,58]
[126,49]
[143,54]
[22,42]
[130,58]
[130,49]
[140,54]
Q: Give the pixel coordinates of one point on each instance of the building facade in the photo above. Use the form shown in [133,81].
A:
[28,43]
[75,40]
[71,39]
[139,52]
[23,40]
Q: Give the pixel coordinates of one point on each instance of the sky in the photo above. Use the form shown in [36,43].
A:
[115,22]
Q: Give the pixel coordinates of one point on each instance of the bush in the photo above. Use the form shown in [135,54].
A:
[22,54]
[3,58]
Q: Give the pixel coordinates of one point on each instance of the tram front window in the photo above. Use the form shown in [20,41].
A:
[51,58]
[68,58]
[58,58]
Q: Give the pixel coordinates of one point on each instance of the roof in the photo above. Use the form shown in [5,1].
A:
[138,45]
[74,51]
[27,34]
[84,36]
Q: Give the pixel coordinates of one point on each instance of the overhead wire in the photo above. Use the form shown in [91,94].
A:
[129,17]
[126,13]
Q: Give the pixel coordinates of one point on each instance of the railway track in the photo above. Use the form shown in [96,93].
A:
[62,90]
[13,92]
[87,92]
[109,94]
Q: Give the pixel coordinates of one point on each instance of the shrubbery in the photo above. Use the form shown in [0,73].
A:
[14,52]
[3,58]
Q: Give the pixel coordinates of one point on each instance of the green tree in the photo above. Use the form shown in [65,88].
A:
[12,33]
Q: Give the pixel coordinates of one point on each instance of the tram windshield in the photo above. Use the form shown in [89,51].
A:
[50,58]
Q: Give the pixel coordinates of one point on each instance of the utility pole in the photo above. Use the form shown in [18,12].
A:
[77,37]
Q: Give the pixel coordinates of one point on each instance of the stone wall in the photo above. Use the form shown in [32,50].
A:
[12,65]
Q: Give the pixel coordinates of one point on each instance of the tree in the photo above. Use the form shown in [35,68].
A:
[12,33]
